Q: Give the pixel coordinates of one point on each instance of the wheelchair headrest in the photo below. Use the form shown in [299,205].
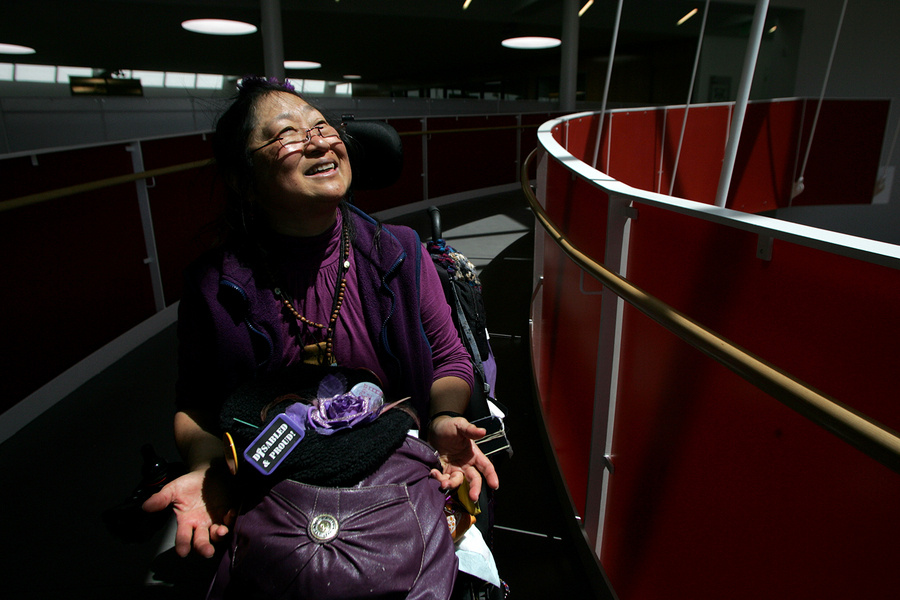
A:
[376,154]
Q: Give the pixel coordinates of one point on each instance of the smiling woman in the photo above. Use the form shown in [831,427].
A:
[302,170]
[306,279]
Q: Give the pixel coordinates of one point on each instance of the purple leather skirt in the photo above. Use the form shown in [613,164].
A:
[387,537]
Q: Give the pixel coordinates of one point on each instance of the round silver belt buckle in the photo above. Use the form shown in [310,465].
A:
[323,528]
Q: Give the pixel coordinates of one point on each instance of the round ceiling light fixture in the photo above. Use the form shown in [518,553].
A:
[219,27]
[301,64]
[530,43]
[15,49]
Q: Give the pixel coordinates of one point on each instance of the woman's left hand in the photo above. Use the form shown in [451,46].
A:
[462,459]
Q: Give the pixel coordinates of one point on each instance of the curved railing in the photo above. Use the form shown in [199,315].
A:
[687,479]
[866,434]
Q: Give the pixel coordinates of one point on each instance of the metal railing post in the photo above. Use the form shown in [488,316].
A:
[152,260]
[743,96]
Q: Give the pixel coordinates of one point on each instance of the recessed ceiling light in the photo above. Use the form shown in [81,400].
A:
[531,43]
[219,27]
[352,76]
[301,64]
[15,49]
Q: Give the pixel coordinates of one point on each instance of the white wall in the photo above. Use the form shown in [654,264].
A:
[776,66]
[866,65]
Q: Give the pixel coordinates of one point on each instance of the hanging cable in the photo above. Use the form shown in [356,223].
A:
[798,185]
[609,66]
[687,105]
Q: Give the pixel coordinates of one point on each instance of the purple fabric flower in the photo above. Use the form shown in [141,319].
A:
[361,405]
[341,412]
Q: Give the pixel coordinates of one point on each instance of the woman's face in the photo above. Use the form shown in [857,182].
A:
[298,185]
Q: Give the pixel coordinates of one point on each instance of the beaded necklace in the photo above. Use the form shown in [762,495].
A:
[340,290]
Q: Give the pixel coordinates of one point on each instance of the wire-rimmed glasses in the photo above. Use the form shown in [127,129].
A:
[292,136]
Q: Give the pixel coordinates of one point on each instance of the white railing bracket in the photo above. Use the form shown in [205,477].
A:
[764,245]
[607,462]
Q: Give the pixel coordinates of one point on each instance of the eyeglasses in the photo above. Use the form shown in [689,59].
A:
[292,136]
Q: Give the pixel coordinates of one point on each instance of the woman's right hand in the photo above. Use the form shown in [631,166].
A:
[200,500]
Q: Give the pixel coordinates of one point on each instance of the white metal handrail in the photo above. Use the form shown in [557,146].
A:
[867,435]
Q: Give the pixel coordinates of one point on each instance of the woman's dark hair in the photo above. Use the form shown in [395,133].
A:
[233,159]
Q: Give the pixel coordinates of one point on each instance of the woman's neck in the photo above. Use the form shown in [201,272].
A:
[308,225]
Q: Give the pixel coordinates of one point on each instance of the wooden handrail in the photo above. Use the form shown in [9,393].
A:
[98,184]
[865,434]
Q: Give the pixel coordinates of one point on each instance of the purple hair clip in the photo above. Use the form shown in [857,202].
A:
[285,85]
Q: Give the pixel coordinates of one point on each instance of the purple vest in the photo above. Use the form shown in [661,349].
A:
[230,329]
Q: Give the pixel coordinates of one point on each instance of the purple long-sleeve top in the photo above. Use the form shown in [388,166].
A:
[309,269]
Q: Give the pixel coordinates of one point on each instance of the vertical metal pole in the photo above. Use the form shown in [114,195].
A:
[518,144]
[609,67]
[568,71]
[425,136]
[152,260]
[740,106]
[619,215]
[273,43]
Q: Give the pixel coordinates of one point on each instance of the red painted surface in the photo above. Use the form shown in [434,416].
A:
[640,147]
[461,160]
[186,206]
[720,491]
[570,327]
[702,152]
[73,270]
[579,137]
[639,131]
[843,159]
[766,163]
[715,481]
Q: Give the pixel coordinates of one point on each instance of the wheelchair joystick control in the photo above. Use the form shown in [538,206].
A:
[127,520]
